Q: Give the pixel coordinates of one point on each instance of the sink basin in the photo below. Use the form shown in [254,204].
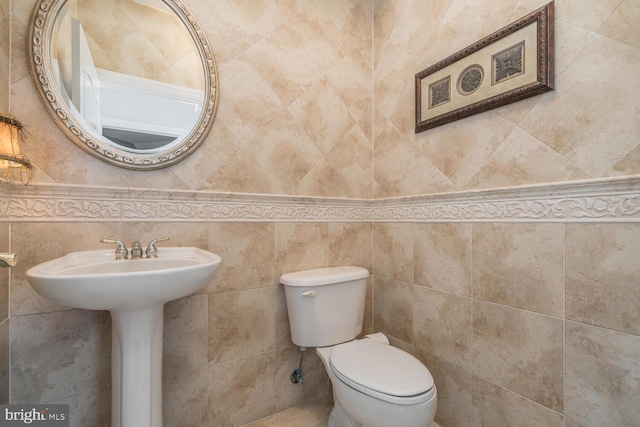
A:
[94,280]
[134,292]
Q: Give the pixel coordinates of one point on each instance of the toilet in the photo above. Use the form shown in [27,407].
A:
[374,384]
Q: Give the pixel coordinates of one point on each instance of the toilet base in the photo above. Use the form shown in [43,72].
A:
[340,418]
[355,409]
[374,417]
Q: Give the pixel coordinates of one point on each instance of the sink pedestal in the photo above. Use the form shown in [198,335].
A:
[136,367]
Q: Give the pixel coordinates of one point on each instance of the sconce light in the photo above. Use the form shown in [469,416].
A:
[13,166]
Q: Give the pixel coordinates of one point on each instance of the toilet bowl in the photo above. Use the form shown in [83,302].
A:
[377,385]
[374,384]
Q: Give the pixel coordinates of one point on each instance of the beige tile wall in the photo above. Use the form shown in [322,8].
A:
[64,356]
[5,362]
[586,128]
[296,113]
[227,352]
[295,102]
[540,329]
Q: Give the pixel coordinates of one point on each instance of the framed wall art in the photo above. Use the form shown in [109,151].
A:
[514,63]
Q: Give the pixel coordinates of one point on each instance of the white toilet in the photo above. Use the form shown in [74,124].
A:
[374,384]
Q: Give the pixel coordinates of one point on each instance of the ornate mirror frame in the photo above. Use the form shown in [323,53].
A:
[41,28]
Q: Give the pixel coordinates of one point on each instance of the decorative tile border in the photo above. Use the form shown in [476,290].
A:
[603,208]
[613,200]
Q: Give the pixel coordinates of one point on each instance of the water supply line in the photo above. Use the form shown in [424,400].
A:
[296,375]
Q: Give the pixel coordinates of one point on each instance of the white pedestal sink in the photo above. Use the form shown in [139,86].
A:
[134,292]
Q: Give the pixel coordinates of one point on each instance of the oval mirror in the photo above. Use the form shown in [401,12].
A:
[132,82]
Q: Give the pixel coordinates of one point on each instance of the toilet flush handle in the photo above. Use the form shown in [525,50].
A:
[309,294]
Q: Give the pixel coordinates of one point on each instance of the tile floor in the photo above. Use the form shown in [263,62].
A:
[314,415]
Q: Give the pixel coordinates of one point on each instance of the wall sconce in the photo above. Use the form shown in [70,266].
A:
[13,167]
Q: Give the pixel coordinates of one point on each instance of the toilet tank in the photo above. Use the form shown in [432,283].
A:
[325,305]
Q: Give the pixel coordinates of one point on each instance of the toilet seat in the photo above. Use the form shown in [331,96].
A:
[382,371]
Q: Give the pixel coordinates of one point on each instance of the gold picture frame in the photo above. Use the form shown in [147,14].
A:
[514,63]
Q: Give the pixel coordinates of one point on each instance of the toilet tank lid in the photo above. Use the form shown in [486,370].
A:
[324,276]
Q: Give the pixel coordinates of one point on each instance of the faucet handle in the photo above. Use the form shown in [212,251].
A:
[152,251]
[121,250]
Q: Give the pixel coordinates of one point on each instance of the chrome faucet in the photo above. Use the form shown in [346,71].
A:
[136,250]
[152,251]
[123,253]
[121,250]
[8,259]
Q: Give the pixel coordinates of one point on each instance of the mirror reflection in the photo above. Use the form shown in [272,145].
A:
[128,71]
[132,82]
